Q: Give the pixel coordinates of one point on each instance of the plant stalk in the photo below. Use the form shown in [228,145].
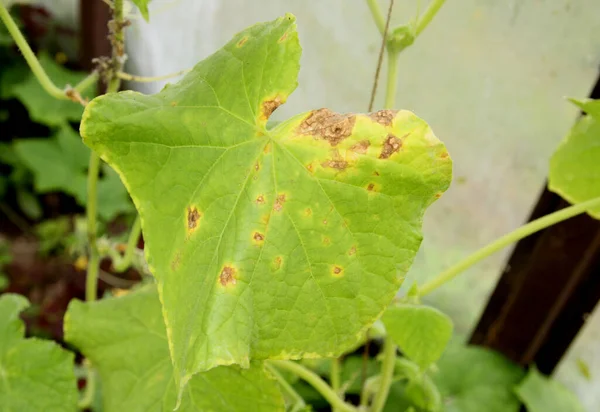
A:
[392,79]
[316,382]
[299,402]
[387,374]
[428,16]
[506,240]
[377,15]
[334,378]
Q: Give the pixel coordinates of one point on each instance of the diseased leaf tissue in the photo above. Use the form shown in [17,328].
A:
[267,243]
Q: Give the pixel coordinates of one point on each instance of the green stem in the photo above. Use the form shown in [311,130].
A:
[392,79]
[90,387]
[30,57]
[387,374]
[88,82]
[428,16]
[316,382]
[377,15]
[334,378]
[34,64]
[91,285]
[506,240]
[298,401]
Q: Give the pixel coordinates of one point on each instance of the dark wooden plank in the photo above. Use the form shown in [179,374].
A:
[549,286]
[94,16]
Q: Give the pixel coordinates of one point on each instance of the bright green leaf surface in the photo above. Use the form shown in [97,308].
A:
[575,166]
[541,394]
[60,164]
[473,379]
[421,332]
[125,338]
[35,375]
[143,6]
[42,107]
[279,243]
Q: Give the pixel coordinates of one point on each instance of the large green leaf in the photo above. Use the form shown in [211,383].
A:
[575,166]
[421,332]
[125,338]
[42,107]
[60,163]
[473,379]
[35,375]
[267,243]
[541,394]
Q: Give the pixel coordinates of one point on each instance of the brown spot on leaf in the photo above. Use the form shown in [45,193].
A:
[257,166]
[326,241]
[227,276]
[176,262]
[391,145]
[327,125]
[260,199]
[325,221]
[193,216]
[269,106]
[282,38]
[173,104]
[308,211]
[375,173]
[371,187]
[279,202]
[361,147]
[337,271]
[259,237]
[309,167]
[338,164]
[242,41]
[276,264]
[384,117]
[438,195]
[352,251]
[444,155]
[267,148]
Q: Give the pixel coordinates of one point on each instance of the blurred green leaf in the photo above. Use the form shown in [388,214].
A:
[421,332]
[36,375]
[541,394]
[29,204]
[60,163]
[352,371]
[471,378]
[52,234]
[575,166]
[42,107]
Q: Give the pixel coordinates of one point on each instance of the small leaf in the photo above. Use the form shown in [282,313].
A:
[36,375]
[125,338]
[575,166]
[541,394]
[421,332]
[473,379]
[42,107]
[29,204]
[143,6]
[281,243]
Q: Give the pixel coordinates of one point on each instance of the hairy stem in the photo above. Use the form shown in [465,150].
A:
[387,374]
[316,382]
[298,401]
[144,79]
[428,16]
[506,240]
[91,284]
